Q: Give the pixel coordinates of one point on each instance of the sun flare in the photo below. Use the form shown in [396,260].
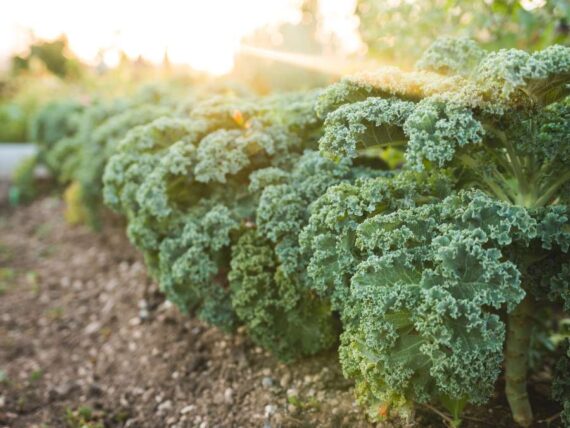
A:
[204,35]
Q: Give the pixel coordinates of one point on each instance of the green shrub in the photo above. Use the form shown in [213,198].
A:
[23,187]
[13,123]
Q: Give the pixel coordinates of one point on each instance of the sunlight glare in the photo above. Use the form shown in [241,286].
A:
[203,34]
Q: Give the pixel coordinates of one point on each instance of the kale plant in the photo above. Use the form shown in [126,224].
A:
[270,287]
[437,290]
[184,186]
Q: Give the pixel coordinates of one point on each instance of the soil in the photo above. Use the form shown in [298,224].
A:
[87,340]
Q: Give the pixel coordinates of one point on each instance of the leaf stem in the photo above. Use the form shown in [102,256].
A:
[516,362]
[548,193]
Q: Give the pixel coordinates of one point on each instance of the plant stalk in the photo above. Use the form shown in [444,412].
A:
[516,362]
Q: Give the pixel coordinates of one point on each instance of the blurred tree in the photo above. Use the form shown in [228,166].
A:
[54,55]
[399,30]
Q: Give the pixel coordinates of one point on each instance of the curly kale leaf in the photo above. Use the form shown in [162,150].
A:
[283,208]
[171,176]
[270,287]
[450,55]
[502,124]
[138,154]
[55,121]
[328,240]
[428,298]
[280,313]
[227,152]
[386,82]
[295,111]
[65,156]
[374,122]
[521,160]
[189,266]
[540,77]
[559,285]
[436,130]
[99,148]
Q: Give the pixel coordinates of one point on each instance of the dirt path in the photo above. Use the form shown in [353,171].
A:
[86,340]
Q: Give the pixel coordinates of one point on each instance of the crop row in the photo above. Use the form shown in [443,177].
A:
[419,221]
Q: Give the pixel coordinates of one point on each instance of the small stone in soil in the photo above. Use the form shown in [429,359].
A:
[292,392]
[188,409]
[165,406]
[285,380]
[270,410]
[228,396]
[267,382]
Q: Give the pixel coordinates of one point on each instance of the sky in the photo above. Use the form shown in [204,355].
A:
[204,34]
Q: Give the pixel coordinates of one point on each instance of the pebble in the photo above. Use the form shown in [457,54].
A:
[292,392]
[267,382]
[124,402]
[187,409]
[112,284]
[229,396]
[270,410]
[93,327]
[62,390]
[2,401]
[137,390]
[144,314]
[285,380]
[292,409]
[165,406]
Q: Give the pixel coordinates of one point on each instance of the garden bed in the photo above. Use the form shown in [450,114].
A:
[85,336]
